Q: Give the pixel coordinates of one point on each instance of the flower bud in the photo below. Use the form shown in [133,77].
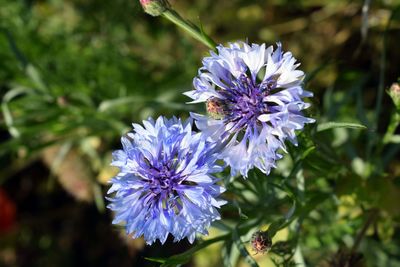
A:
[261,242]
[154,7]
[394,93]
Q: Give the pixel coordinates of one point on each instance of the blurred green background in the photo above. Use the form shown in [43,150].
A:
[74,74]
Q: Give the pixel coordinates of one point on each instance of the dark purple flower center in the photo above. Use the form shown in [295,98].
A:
[163,180]
[244,101]
[163,183]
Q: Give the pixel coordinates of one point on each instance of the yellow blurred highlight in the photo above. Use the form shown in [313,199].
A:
[106,174]
[251,12]
[211,255]
[107,171]
[348,207]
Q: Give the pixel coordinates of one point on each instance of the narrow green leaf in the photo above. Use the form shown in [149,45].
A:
[14,48]
[36,78]
[332,125]
[9,121]
[16,91]
[308,152]
[109,104]
[291,211]
[159,260]
[221,226]
[241,214]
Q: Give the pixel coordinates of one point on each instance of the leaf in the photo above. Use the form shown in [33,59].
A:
[241,214]
[221,226]
[291,211]
[159,260]
[109,104]
[307,152]
[8,118]
[9,121]
[30,70]
[36,78]
[294,213]
[332,125]
[14,48]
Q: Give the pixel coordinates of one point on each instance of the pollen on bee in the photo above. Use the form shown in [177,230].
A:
[215,108]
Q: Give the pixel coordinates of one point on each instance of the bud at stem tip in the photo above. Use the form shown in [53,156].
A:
[154,7]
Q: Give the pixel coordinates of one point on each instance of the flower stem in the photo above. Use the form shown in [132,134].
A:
[373,214]
[189,27]
[394,123]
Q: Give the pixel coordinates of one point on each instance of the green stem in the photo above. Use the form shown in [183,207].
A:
[373,214]
[394,123]
[189,27]
[381,85]
[298,257]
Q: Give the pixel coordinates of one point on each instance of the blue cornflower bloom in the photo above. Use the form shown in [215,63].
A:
[165,184]
[254,100]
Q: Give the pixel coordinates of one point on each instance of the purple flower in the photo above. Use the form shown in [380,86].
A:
[165,184]
[254,101]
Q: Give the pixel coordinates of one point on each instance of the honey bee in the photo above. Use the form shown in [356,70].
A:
[215,108]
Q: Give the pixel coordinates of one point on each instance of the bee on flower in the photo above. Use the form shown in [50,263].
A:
[254,98]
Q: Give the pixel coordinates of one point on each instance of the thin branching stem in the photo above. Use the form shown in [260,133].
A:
[190,28]
[371,218]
